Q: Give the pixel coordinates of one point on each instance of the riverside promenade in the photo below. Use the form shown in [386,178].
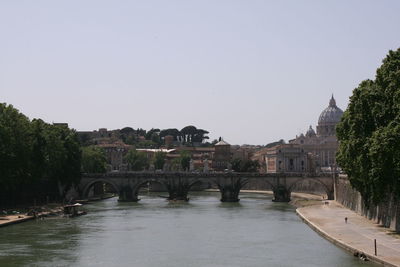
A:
[357,235]
[13,219]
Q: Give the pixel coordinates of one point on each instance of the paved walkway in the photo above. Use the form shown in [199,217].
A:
[357,234]
[12,219]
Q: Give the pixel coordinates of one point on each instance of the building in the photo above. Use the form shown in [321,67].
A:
[286,158]
[309,152]
[115,153]
[222,156]
[322,144]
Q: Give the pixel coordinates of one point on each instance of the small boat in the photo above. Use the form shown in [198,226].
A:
[73,210]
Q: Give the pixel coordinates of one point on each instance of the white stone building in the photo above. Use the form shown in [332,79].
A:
[323,144]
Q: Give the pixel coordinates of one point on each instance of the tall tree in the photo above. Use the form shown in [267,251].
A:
[184,159]
[36,158]
[137,160]
[15,150]
[159,160]
[188,132]
[93,160]
[369,134]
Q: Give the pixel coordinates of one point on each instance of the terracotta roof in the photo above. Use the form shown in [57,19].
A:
[222,143]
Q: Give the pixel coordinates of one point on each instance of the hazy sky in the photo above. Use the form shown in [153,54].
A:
[250,71]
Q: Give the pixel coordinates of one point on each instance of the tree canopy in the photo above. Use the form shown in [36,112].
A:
[137,160]
[36,158]
[159,160]
[247,165]
[93,160]
[369,134]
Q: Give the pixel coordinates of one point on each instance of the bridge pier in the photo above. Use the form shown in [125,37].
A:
[230,188]
[281,194]
[178,189]
[126,195]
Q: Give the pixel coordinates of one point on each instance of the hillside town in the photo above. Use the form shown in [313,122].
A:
[312,152]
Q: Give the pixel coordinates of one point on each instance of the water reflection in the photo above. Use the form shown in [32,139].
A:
[155,232]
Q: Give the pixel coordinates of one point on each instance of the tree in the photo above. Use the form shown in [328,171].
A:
[63,157]
[36,158]
[128,135]
[93,160]
[200,136]
[369,134]
[172,131]
[188,132]
[15,151]
[159,160]
[184,159]
[137,160]
[247,165]
[236,162]
[149,134]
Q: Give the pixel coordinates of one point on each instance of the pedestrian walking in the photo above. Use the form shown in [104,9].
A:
[345,219]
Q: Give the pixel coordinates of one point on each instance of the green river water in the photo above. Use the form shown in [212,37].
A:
[154,232]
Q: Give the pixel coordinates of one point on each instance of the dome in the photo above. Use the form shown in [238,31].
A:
[310,132]
[332,114]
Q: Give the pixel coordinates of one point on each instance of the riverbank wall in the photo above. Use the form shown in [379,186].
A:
[387,213]
[307,186]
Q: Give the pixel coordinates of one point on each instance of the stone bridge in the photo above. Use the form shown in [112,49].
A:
[178,184]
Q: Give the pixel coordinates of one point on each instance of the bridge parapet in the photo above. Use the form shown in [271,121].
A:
[178,184]
[147,174]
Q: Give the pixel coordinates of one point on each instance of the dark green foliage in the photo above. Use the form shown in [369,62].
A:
[150,133]
[93,160]
[137,160]
[369,134]
[84,139]
[127,131]
[159,160]
[15,149]
[188,135]
[172,131]
[184,159]
[248,165]
[37,159]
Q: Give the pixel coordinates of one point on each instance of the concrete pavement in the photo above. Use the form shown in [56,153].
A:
[357,235]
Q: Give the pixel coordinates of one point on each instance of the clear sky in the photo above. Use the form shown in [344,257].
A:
[250,71]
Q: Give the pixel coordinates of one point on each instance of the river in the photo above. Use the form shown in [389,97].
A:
[153,232]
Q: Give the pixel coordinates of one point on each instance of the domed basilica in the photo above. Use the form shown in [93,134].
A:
[322,145]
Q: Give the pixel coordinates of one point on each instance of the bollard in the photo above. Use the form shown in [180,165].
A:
[375,247]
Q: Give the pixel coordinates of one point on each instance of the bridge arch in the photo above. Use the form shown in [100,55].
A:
[327,187]
[91,183]
[143,183]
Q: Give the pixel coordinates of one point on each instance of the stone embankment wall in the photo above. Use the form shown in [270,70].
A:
[306,186]
[386,213]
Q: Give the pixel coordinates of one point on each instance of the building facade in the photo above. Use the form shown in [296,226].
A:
[323,144]
[309,152]
[286,158]
[222,156]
